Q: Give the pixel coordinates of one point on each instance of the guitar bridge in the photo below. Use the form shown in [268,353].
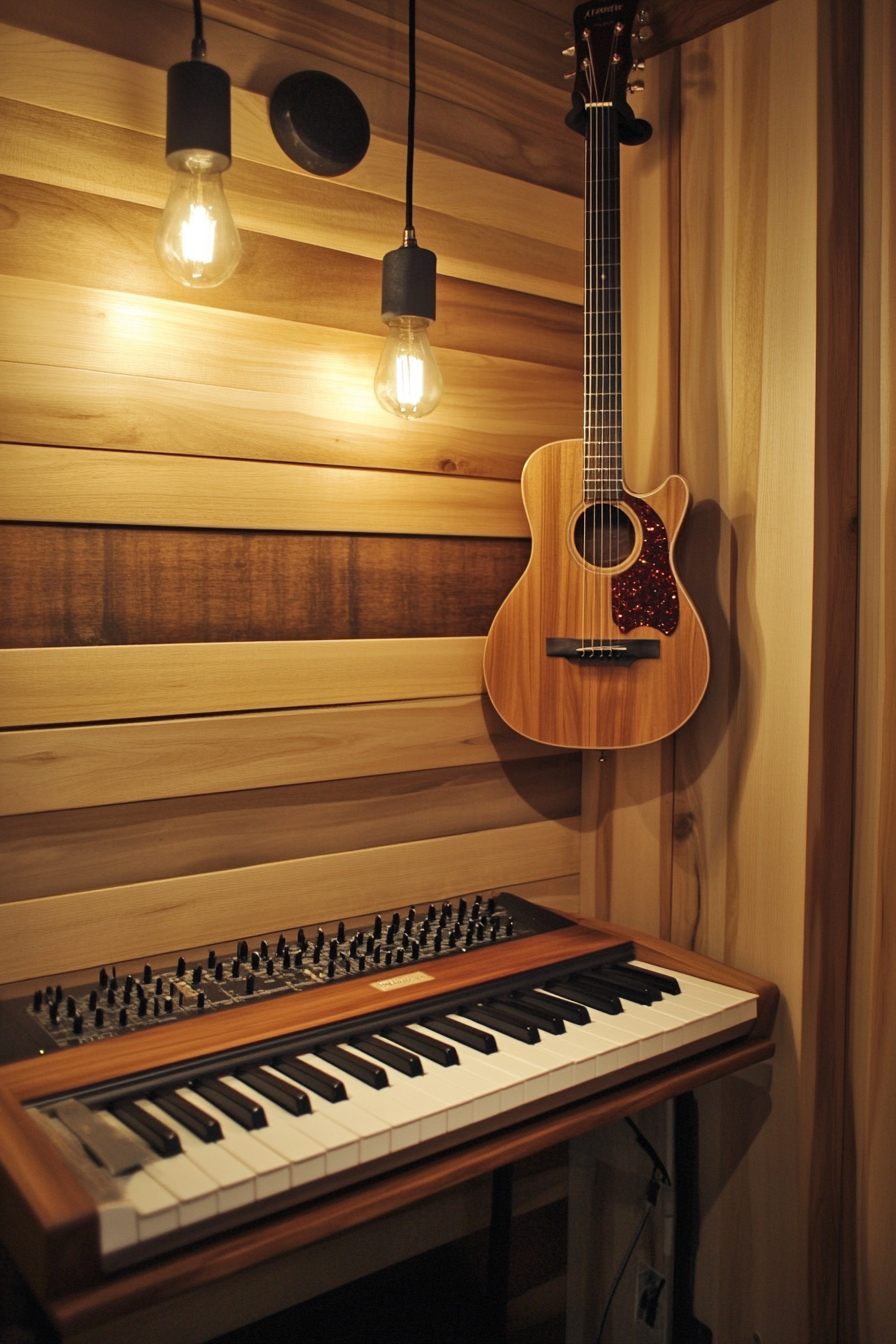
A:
[619,652]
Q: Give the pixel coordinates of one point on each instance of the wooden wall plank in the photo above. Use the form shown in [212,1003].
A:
[72,585]
[109,245]
[61,150]
[327,373]
[80,485]
[53,768]
[91,847]
[491,135]
[88,83]
[44,686]
[66,932]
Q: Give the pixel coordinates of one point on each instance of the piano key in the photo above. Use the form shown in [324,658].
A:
[405,1121]
[393,1055]
[196,1195]
[603,985]
[464,1032]
[157,1133]
[617,975]
[188,1115]
[234,1180]
[502,1086]
[664,982]
[301,1071]
[553,1069]
[429,1047]
[496,1018]
[284,1093]
[117,1217]
[522,1063]
[222,1096]
[538,1014]
[314,1145]
[371,1130]
[154,1206]
[371,1074]
[604,1002]
[271,1170]
[570,1012]
[702,988]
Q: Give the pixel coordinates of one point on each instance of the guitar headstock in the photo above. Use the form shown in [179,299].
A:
[603,52]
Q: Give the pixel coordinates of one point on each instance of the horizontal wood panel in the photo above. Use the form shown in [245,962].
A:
[91,84]
[91,847]
[68,585]
[110,246]
[66,151]
[44,686]
[477,121]
[47,769]
[327,373]
[65,932]
[79,408]
[77,485]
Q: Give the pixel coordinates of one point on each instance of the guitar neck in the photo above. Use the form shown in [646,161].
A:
[602,463]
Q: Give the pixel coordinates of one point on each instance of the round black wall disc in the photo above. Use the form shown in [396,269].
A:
[319,123]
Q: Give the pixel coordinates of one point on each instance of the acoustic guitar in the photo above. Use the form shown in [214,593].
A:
[598,645]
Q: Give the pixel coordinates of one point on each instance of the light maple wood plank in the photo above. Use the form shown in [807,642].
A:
[84,685]
[86,83]
[326,373]
[74,485]
[54,768]
[65,932]
[48,853]
[479,129]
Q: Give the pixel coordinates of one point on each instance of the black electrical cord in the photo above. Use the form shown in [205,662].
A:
[198,50]
[412,101]
[659,1177]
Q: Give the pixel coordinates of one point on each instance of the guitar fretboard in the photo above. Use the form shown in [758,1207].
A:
[602,465]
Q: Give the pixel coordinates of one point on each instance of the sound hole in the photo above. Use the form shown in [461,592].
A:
[604,535]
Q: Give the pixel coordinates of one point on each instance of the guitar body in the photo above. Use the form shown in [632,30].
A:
[600,602]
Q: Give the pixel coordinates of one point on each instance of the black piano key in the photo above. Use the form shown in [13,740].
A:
[572,1012]
[371,1074]
[603,1001]
[666,984]
[615,975]
[393,1055]
[446,1055]
[155,1132]
[463,1032]
[540,1015]
[615,985]
[277,1090]
[237,1105]
[499,1019]
[307,1075]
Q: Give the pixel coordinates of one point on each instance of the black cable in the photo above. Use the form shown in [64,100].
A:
[658,1178]
[198,52]
[412,100]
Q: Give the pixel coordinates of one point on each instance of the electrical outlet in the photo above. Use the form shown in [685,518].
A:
[649,1286]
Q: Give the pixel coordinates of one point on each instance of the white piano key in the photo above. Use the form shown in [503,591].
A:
[154,1206]
[371,1130]
[406,1120]
[118,1225]
[271,1170]
[310,1157]
[707,988]
[195,1192]
[234,1180]
[556,1071]
[497,1083]
[536,1082]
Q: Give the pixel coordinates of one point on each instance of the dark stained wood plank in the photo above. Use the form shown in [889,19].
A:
[109,245]
[72,585]
[45,854]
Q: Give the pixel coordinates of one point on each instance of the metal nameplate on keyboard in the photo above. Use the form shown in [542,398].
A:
[399,981]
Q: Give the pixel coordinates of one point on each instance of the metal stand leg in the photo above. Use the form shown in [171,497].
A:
[686,1329]
[499,1251]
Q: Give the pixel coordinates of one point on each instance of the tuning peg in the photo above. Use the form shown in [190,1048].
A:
[644,32]
[636,86]
[568,51]
[637,65]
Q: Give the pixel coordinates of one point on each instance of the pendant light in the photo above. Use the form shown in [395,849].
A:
[408,381]
[197,242]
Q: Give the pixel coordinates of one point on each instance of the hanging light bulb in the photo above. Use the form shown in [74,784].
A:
[197,242]
[408,381]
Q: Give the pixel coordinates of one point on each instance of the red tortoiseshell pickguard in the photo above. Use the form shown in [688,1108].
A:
[647,594]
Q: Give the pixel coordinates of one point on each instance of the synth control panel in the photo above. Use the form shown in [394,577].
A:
[293,961]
